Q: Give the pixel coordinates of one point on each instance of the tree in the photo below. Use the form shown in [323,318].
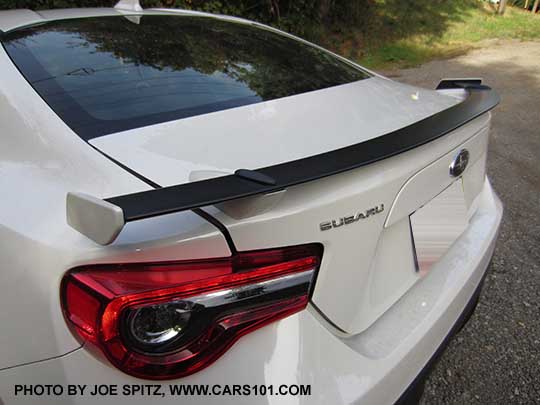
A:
[502,7]
[324,8]
[535,6]
[526,6]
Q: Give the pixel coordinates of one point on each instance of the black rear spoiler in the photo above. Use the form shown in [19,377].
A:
[102,220]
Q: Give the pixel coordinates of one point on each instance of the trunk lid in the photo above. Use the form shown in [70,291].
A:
[366,267]
[369,259]
[272,132]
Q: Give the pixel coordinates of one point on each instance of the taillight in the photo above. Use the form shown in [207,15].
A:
[171,319]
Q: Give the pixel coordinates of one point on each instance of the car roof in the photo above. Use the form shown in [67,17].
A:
[13,19]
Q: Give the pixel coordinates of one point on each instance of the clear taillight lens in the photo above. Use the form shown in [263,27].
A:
[171,319]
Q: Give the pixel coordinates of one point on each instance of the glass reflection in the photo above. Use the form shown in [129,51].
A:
[107,74]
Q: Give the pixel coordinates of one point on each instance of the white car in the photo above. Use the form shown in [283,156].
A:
[200,202]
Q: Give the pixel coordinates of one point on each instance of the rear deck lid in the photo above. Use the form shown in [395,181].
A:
[270,133]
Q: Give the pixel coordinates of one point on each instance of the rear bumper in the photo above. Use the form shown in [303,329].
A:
[414,392]
[374,367]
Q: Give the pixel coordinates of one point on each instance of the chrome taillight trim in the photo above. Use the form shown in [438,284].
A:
[235,295]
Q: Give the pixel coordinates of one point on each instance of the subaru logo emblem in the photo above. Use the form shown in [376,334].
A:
[459,164]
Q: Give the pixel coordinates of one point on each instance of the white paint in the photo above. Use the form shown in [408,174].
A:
[347,290]
[41,160]
[393,327]
[374,367]
[272,132]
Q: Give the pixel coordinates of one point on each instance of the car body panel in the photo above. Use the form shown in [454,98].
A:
[41,160]
[374,367]
[373,322]
[272,132]
[10,19]
[430,181]
[13,19]
[349,289]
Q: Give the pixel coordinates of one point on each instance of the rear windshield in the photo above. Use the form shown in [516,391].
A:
[109,74]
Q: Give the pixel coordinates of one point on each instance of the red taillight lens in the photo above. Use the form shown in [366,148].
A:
[171,319]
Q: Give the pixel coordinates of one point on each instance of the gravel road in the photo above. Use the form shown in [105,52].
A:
[495,359]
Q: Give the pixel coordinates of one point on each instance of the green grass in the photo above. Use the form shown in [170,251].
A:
[484,24]
[404,39]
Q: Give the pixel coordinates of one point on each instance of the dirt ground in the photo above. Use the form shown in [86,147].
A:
[495,359]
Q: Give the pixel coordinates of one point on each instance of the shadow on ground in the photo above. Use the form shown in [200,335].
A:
[495,359]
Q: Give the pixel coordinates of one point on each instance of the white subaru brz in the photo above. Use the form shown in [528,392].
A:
[206,201]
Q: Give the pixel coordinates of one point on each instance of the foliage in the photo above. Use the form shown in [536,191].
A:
[42,4]
[473,25]
[379,33]
[298,16]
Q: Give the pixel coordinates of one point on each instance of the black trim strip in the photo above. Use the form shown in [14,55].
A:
[209,192]
[222,228]
[257,177]
[460,83]
[127,169]
[197,211]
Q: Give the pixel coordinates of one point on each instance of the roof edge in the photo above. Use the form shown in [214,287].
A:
[14,19]
[11,19]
